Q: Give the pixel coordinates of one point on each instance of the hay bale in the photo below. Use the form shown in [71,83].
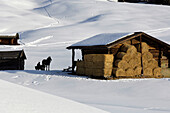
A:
[134,62]
[121,64]
[138,70]
[148,72]
[157,72]
[89,71]
[152,64]
[88,57]
[129,72]
[124,56]
[102,64]
[145,47]
[102,72]
[145,63]
[80,64]
[80,71]
[147,56]
[128,48]
[118,72]
[103,58]
[88,64]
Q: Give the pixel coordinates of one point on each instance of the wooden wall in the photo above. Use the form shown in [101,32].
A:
[13,64]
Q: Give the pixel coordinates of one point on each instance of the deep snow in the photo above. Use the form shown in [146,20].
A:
[47,27]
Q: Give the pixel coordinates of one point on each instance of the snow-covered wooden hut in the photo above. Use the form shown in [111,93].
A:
[112,43]
[12,60]
[9,39]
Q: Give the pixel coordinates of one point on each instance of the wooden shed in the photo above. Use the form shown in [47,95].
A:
[12,60]
[9,39]
[112,43]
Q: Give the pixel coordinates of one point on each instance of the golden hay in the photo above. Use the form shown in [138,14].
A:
[124,56]
[129,72]
[145,63]
[88,64]
[80,71]
[134,62]
[102,72]
[128,48]
[147,56]
[80,64]
[121,64]
[152,64]
[89,57]
[145,47]
[148,72]
[138,70]
[157,72]
[103,64]
[118,72]
[103,58]
[89,71]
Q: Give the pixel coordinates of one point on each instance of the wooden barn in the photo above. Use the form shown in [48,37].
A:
[9,40]
[164,2]
[12,60]
[121,55]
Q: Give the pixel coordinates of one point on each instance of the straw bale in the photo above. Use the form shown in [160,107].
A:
[118,72]
[147,56]
[128,48]
[148,72]
[157,72]
[145,47]
[103,64]
[89,71]
[88,57]
[124,56]
[152,64]
[103,58]
[129,72]
[145,63]
[102,72]
[88,64]
[138,70]
[80,71]
[80,64]
[134,62]
[121,64]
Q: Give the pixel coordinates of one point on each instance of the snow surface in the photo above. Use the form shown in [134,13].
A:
[47,27]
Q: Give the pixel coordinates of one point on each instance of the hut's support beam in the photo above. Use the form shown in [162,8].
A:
[159,58]
[73,62]
[141,52]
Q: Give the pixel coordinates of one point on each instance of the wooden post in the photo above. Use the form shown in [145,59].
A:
[159,57]
[73,56]
[141,52]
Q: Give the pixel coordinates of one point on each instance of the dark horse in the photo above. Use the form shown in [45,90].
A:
[46,63]
[39,67]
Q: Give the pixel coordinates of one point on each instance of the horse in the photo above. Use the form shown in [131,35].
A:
[40,67]
[46,63]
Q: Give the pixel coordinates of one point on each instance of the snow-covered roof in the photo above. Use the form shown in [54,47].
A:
[106,39]
[101,39]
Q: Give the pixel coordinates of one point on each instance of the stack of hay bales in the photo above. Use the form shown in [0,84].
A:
[80,68]
[150,65]
[128,62]
[97,65]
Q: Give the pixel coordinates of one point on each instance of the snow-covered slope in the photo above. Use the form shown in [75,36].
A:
[115,96]
[47,27]
[18,99]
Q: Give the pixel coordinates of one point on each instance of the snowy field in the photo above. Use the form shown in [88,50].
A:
[47,27]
